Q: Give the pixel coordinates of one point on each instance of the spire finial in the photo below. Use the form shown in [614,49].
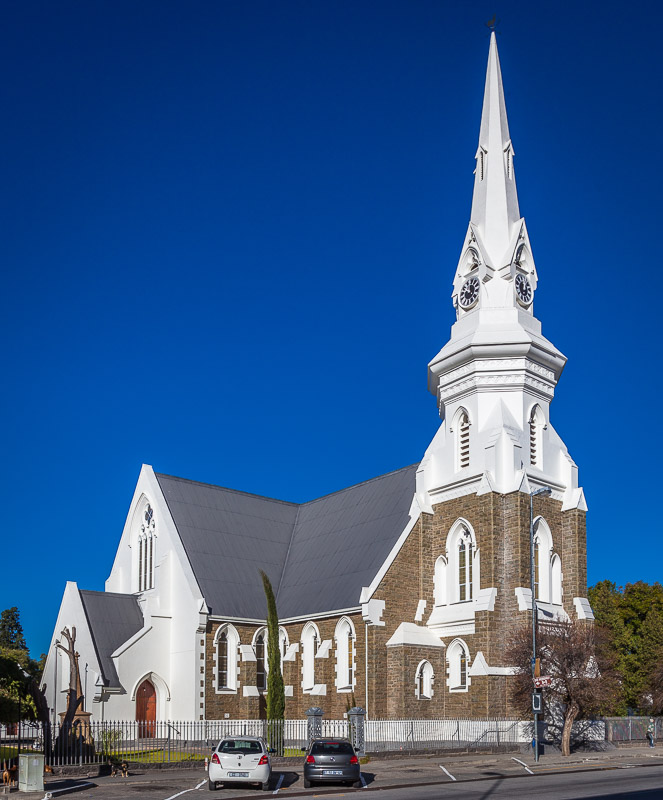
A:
[493,23]
[495,201]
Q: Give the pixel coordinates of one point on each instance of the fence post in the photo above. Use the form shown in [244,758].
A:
[314,723]
[357,717]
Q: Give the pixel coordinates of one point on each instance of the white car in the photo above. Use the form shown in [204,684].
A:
[240,759]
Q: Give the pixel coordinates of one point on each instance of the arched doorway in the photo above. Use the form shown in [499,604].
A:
[146,709]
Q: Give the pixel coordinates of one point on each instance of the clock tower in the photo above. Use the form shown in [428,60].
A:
[495,378]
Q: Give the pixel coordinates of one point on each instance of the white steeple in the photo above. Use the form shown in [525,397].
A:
[495,200]
[496,376]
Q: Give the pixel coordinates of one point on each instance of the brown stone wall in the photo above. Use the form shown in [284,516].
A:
[501,526]
[334,703]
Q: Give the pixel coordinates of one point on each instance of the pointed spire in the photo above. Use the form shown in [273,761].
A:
[495,200]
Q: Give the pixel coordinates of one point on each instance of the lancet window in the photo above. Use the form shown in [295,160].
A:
[146,546]
[424,681]
[226,647]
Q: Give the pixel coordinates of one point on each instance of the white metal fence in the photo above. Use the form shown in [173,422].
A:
[146,742]
[429,734]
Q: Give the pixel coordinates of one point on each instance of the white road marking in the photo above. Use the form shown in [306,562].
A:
[185,791]
[444,769]
[363,782]
[278,785]
[523,763]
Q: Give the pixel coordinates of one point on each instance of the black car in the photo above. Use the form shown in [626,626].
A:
[331,760]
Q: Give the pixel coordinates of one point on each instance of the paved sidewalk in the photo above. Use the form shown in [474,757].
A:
[377,774]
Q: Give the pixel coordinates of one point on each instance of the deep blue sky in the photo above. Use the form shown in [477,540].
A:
[229,235]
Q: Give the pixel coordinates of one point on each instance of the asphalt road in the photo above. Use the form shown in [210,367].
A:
[507,781]
[639,783]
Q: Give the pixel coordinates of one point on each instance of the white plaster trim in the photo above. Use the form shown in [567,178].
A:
[157,681]
[319,689]
[323,650]
[291,652]
[372,611]
[546,612]
[250,691]
[524,597]
[574,498]
[247,653]
[583,608]
[131,641]
[480,667]
[287,620]
[288,691]
[455,490]
[407,633]
[421,607]
[456,619]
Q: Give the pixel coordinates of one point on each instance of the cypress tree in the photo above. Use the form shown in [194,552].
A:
[275,687]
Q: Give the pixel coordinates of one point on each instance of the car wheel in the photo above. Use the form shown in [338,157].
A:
[307,784]
[358,784]
[211,785]
[265,786]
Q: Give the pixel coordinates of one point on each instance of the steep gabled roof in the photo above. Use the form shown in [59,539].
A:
[318,555]
[112,618]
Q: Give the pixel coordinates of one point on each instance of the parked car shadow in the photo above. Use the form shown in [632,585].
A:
[289,778]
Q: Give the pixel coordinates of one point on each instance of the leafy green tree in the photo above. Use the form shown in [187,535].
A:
[275,687]
[633,614]
[11,632]
[19,674]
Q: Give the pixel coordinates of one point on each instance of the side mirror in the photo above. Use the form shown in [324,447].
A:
[272,750]
[304,749]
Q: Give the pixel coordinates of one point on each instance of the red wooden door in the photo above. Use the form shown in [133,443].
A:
[146,709]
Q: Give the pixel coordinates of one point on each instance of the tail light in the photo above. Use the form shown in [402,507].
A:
[310,760]
[354,760]
[263,760]
[215,759]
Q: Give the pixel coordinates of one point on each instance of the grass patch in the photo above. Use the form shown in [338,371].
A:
[8,752]
[155,756]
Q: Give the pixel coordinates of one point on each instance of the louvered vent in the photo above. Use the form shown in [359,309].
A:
[464,441]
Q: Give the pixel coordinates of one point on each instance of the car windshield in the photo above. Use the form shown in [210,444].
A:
[243,746]
[332,749]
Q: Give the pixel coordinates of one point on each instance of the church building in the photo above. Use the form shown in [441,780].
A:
[397,594]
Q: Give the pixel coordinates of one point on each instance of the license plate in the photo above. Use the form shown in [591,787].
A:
[332,771]
[238,774]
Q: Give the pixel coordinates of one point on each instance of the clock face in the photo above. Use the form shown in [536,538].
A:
[469,293]
[523,290]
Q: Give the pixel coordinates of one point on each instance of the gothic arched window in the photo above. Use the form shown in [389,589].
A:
[345,655]
[261,671]
[543,562]
[556,580]
[440,581]
[458,661]
[146,548]
[462,569]
[465,558]
[310,639]
[424,681]
[226,644]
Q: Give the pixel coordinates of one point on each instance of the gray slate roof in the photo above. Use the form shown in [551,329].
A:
[318,555]
[113,618]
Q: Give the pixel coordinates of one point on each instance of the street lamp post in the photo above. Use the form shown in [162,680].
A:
[546,491]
